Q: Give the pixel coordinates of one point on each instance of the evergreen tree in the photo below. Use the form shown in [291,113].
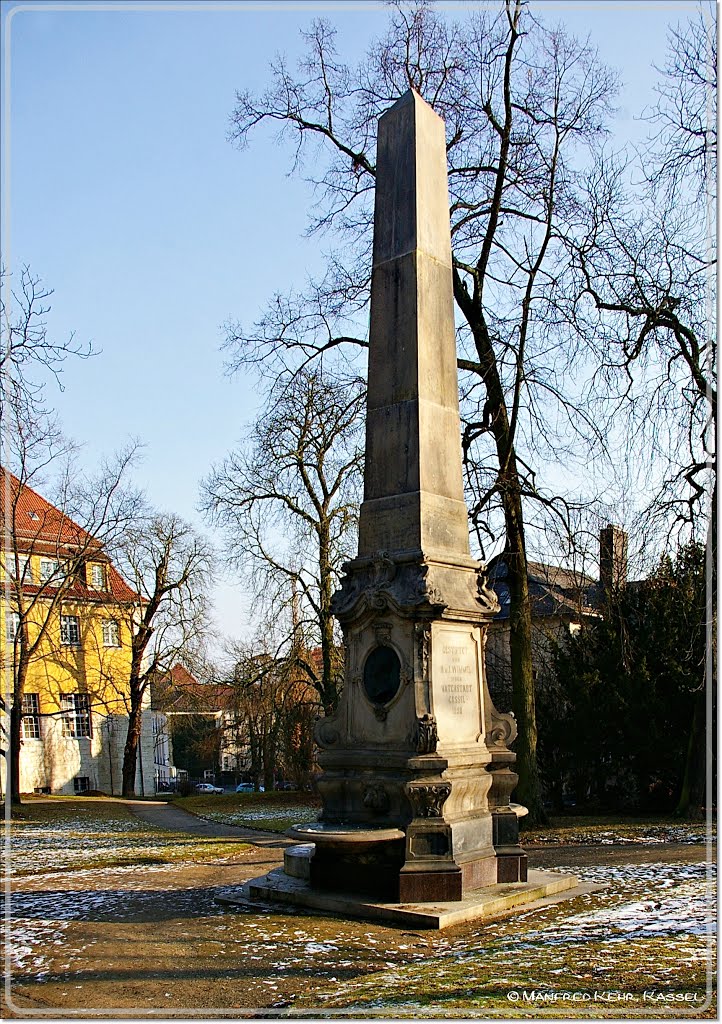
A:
[619,703]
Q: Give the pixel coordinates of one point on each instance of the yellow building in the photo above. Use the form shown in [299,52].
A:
[66,638]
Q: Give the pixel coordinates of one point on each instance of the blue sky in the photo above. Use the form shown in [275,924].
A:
[124,196]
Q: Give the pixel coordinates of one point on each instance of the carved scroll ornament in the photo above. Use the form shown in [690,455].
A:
[427,801]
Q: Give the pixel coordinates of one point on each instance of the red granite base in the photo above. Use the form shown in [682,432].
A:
[430,886]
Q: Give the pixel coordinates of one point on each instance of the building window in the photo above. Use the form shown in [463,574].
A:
[97,577]
[48,568]
[111,633]
[70,630]
[76,715]
[31,716]
[12,626]
[81,784]
[25,569]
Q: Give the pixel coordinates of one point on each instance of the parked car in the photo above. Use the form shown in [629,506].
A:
[206,787]
[247,787]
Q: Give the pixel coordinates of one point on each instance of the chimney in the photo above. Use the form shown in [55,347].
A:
[612,558]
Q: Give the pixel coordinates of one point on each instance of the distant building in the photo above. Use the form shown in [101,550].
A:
[62,595]
[201,718]
[561,599]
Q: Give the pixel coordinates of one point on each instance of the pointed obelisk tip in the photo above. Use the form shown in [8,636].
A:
[410,96]
[407,97]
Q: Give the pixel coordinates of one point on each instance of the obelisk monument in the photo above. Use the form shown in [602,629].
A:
[416,768]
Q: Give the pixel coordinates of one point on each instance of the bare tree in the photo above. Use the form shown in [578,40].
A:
[519,101]
[29,352]
[275,710]
[170,566]
[85,520]
[288,503]
[647,263]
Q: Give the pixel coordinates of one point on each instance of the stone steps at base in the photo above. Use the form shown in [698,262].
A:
[542,888]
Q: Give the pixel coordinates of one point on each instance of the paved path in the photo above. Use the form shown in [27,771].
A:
[167,815]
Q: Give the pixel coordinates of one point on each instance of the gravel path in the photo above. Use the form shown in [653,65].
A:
[167,815]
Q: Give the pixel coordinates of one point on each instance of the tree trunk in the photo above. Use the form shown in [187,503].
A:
[328,690]
[692,799]
[130,753]
[509,488]
[16,730]
[254,743]
[528,790]
[16,739]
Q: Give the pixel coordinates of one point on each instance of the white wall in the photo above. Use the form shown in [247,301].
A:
[54,761]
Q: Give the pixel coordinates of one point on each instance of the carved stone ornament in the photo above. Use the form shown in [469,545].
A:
[423,640]
[426,735]
[325,732]
[420,590]
[376,798]
[380,582]
[503,729]
[382,631]
[384,569]
[427,801]
[485,595]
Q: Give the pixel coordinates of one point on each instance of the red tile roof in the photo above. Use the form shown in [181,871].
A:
[40,528]
[179,691]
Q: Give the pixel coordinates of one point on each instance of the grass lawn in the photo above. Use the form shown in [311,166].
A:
[643,946]
[272,812]
[66,834]
[600,830]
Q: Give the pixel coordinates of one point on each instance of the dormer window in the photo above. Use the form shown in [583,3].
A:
[97,576]
[34,516]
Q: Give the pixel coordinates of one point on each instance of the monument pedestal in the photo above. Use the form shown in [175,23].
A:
[417,744]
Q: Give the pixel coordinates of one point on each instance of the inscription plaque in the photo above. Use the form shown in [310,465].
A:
[455,682]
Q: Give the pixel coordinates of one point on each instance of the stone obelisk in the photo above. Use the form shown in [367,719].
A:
[416,770]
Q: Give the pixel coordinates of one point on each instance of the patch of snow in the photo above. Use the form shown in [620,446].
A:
[624,836]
